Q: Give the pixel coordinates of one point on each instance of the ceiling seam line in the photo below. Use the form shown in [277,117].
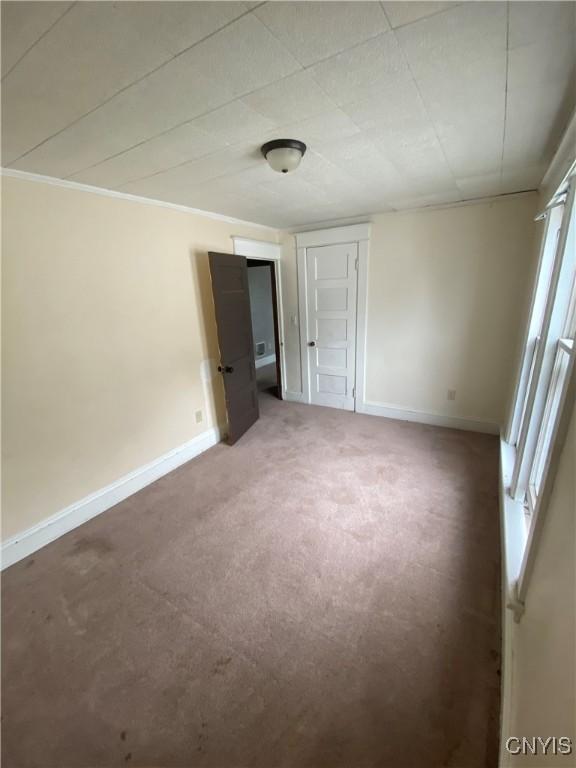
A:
[306,67]
[42,36]
[303,68]
[429,206]
[204,114]
[505,94]
[130,85]
[422,18]
[180,125]
[336,106]
[151,176]
[432,123]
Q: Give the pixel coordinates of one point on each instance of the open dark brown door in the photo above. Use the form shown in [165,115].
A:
[232,305]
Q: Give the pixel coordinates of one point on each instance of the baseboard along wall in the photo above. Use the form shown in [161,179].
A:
[25,543]
[422,417]
[267,360]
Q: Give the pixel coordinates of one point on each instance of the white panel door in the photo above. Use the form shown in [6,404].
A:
[331,282]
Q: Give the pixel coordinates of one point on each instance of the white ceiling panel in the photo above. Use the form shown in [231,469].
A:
[23,24]
[483,185]
[236,60]
[296,95]
[530,125]
[530,21]
[437,44]
[401,104]
[226,163]
[313,31]
[397,109]
[234,123]
[541,82]
[520,179]
[401,12]
[317,130]
[361,71]
[172,148]
[547,61]
[94,51]
[126,121]
[473,148]
[448,96]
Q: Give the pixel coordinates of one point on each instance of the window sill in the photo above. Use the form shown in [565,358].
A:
[513,531]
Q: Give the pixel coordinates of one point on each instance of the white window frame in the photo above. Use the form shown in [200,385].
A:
[548,249]
[544,394]
[552,327]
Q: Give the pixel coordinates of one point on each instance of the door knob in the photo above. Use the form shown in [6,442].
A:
[225,369]
[311,343]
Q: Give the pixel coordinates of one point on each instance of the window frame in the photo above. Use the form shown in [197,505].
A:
[546,260]
[544,393]
[557,305]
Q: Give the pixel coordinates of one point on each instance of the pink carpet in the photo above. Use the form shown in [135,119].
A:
[323,594]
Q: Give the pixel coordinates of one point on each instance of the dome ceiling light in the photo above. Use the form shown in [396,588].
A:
[284,155]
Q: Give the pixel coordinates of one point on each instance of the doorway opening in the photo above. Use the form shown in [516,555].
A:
[265,325]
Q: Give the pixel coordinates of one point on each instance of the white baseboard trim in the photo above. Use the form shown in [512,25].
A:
[293,397]
[25,543]
[422,417]
[262,361]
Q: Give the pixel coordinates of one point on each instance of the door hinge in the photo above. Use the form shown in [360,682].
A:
[356,263]
[353,391]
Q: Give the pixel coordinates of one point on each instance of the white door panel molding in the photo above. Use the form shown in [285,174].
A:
[332,291]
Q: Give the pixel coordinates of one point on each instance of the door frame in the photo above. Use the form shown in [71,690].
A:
[354,233]
[267,251]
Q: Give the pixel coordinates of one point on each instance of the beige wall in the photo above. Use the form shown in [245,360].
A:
[446,290]
[107,317]
[544,642]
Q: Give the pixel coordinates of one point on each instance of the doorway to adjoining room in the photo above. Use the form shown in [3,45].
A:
[263,309]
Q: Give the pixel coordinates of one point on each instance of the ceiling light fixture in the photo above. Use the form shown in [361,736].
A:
[284,155]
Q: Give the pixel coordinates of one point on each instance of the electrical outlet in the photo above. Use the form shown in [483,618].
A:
[451,394]
[198,416]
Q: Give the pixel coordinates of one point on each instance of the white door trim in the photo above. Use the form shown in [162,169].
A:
[266,251]
[256,249]
[358,233]
[353,233]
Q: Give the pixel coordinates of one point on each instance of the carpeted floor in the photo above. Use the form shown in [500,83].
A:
[323,594]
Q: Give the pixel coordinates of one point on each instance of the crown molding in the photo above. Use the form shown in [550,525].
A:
[67,184]
[326,224]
